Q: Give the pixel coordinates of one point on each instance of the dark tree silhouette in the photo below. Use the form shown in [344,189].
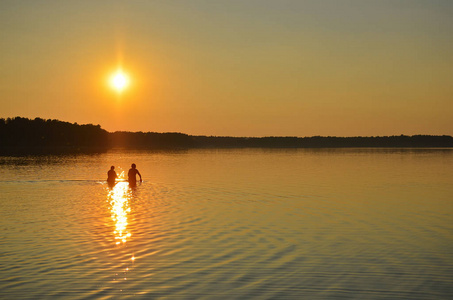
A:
[21,135]
[25,136]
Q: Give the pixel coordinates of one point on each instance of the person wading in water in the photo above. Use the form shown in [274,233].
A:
[111,176]
[131,175]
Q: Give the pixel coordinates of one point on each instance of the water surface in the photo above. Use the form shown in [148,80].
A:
[213,224]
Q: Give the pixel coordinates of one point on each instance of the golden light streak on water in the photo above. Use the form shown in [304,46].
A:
[119,198]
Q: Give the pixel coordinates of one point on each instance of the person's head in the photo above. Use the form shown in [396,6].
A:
[133,166]
[112,168]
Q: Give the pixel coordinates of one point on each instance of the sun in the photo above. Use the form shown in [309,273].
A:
[119,81]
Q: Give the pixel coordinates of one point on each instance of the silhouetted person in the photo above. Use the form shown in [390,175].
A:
[131,175]
[111,176]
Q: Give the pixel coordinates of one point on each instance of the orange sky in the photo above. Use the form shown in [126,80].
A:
[241,68]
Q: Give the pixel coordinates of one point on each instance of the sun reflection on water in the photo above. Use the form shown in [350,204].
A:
[119,197]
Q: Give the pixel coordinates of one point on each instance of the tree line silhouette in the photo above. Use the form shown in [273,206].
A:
[328,141]
[21,135]
[38,136]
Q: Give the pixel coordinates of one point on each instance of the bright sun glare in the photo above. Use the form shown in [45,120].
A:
[119,81]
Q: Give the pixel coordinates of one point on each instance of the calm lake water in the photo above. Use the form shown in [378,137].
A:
[229,224]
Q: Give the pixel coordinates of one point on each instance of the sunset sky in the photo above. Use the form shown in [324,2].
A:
[237,67]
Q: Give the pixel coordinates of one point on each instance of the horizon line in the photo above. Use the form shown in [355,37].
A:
[224,136]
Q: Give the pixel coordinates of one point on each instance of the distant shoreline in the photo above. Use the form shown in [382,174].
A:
[22,136]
